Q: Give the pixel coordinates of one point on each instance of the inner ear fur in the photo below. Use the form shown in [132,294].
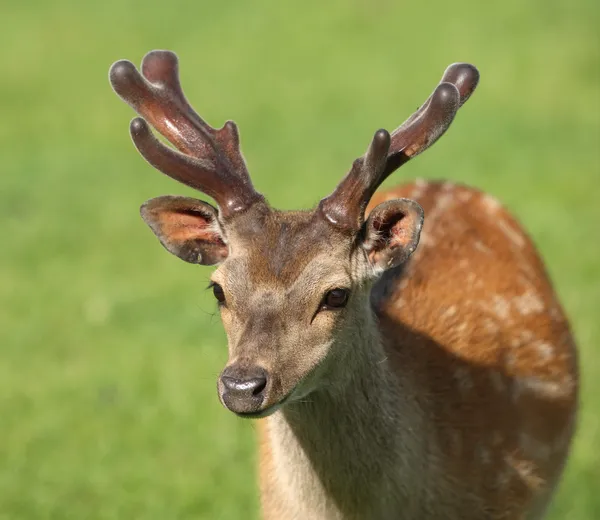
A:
[391,233]
[188,228]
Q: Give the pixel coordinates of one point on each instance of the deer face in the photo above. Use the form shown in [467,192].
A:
[286,296]
[292,287]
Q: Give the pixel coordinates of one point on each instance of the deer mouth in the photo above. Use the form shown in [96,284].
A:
[267,411]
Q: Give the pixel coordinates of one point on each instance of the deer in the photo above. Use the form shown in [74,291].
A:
[389,381]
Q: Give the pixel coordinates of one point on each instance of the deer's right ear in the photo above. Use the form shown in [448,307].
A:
[188,228]
[391,233]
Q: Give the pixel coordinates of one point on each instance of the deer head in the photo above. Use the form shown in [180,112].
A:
[292,287]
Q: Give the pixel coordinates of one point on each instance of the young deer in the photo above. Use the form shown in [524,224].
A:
[438,383]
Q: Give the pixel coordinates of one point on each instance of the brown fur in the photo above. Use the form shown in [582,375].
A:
[476,351]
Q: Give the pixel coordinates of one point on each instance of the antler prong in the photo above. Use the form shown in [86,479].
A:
[345,206]
[210,159]
[370,165]
[425,128]
[464,77]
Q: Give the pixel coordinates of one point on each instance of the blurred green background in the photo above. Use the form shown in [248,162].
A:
[110,347]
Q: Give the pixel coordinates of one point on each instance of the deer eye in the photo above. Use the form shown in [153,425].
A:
[219,293]
[335,299]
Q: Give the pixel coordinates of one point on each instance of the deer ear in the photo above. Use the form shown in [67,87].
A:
[186,227]
[391,233]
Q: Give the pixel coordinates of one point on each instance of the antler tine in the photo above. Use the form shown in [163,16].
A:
[464,77]
[231,195]
[345,206]
[424,128]
[211,160]
[161,68]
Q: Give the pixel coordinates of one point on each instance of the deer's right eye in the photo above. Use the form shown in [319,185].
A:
[219,293]
[335,299]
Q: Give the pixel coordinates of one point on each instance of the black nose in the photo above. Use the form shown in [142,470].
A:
[243,388]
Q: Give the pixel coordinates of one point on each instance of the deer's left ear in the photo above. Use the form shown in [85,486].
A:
[187,227]
[391,233]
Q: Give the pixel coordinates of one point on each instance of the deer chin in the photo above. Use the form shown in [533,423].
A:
[261,414]
[295,395]
[267,411]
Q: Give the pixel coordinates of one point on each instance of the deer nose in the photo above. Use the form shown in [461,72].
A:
[245,387]
[242,389]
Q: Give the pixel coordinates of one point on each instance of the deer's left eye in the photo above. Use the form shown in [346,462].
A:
[335,299]
[219,293]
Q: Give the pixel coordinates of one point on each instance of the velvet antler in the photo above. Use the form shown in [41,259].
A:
[345,207]
[208,160]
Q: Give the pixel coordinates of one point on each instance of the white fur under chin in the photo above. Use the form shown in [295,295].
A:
[359,433]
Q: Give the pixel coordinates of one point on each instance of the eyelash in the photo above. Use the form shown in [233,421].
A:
[218,293]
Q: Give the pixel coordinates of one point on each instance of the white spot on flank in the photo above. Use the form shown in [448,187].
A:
[546,350]
[523,338]
[526,336]
[501,307]
[426,240]
[490,326]
[442,202]
[449,312]
[545,389]
[491,203]
[516,237]
[420,186]
[472,280]
[528,303]
[480,246]
[403,284]
[448,186]
[465,196]
[526,471]
[461,328]
[555,314]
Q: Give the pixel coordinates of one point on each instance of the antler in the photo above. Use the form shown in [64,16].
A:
[208,160]
[346,205]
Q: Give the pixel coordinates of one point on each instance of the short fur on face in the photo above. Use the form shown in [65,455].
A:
[276,268]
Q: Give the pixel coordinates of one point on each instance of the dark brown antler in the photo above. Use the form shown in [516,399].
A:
[345,207]
[209,159]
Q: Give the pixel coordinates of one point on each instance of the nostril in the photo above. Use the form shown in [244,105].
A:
[247,386]
[261,383]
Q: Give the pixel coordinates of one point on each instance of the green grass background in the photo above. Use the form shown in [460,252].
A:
[110,347]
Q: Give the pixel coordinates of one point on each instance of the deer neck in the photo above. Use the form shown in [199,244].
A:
[343,446]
